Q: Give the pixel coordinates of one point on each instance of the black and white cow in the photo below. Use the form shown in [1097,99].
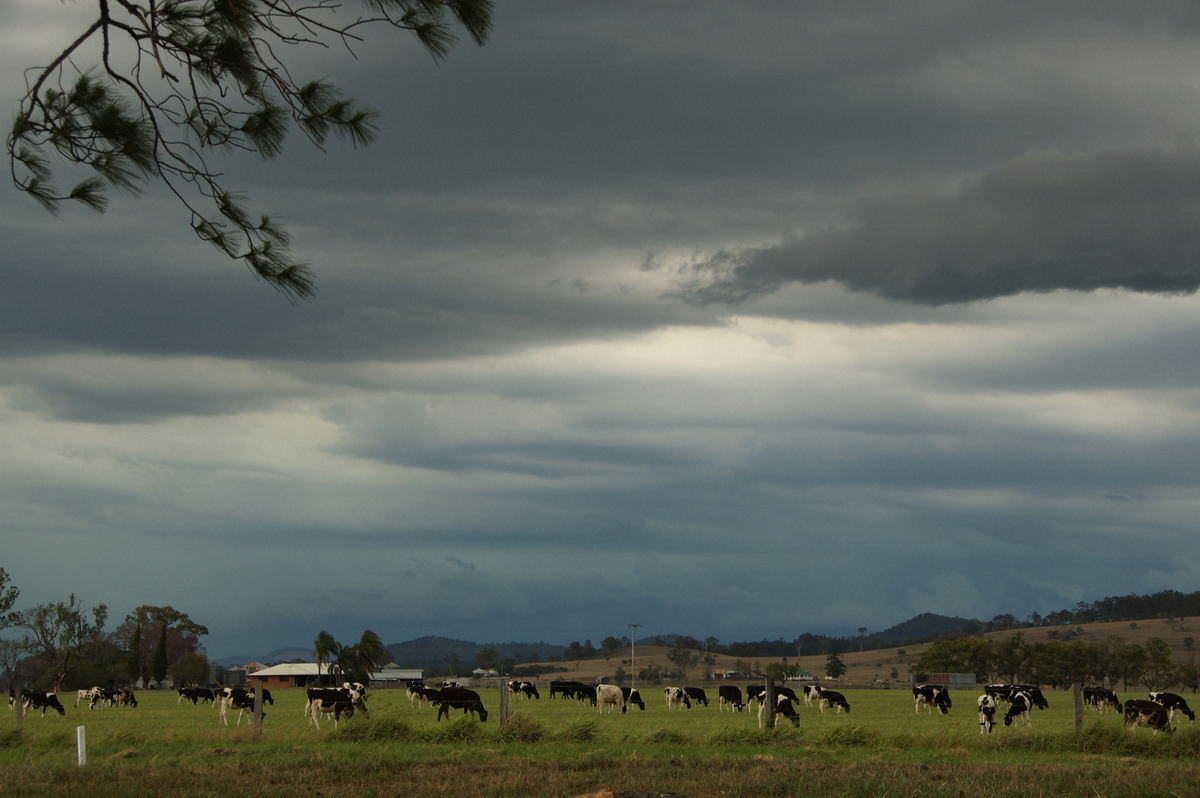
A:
[414,691]
[609,695]
[336,706]
[461,698]
[1098,698]
[756,691]
[525,688]
[931,696]
[783,707]
[37,699]
[832,698]
[112,698]
[227,698]
[811,693]
[1020,704]
[1005,692]
[1141,712]
[333,695]
[633,698]
[195,695]
[729,695]
[1174,703]
[987,713]
[676,697]
[697,695]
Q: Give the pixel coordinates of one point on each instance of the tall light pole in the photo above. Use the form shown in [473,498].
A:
[633,654]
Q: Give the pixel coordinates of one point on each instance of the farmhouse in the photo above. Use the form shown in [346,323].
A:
[309,674]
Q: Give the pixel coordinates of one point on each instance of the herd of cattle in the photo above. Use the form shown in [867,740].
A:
[334,703]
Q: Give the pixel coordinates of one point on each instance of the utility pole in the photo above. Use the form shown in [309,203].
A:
[633,654]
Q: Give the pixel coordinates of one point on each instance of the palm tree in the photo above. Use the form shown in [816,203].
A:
[324,647]
[371,653]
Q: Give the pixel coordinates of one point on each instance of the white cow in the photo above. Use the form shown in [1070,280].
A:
[611,696]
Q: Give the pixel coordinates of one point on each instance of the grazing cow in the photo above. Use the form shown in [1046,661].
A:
[729,695]
[1005,692]
[1174,703]
[756,691]
[1140,712]
[332,695]
[112,698]
[461,698]
[1019,706]
[196,695]
[336,707]
[783,706]
[987,713]
[586,692]
[931,696]
[811,693]
[676,696]
[832,698]
[632,697]
[609,695]
[565,687]
[697,695]
[429,695]
[1100,697]
[37,699]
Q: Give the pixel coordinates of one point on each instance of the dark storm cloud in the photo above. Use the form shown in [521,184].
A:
[1042,223]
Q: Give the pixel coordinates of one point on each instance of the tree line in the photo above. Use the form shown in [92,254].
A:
[1060,663]
[60,644]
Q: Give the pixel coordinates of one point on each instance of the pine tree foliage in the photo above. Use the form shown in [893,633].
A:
[154,89]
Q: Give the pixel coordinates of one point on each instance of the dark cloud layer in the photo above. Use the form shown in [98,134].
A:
[1044,222]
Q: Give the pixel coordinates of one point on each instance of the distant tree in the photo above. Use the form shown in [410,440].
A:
[862,637]
[147,622]
[487,658]
[61,635]
[190,669]
[620,676]
[151,89]
[452,664]
[325,648]
[682,657]
[8,598]
[781,671]
[360,661]
[160,656]
[611,645]
[834,667]
[1160,668]
[133,656]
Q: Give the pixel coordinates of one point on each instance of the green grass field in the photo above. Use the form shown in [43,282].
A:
[561,747]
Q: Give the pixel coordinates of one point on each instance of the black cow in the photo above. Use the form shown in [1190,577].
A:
[932,696]
[429,694]
[987,713]
[586,692]
[1174,703]
[1140,712]
[729,695]
[195,695]
[37,699]
[461,698]
[633,698]
[697,695]
[566,688]
[1100,697]
[1020,704]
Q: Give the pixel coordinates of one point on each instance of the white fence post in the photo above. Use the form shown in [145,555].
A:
[81,745]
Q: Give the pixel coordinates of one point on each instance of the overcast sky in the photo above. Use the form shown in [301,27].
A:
[733,319]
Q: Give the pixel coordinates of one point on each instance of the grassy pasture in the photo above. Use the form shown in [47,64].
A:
[560,747]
